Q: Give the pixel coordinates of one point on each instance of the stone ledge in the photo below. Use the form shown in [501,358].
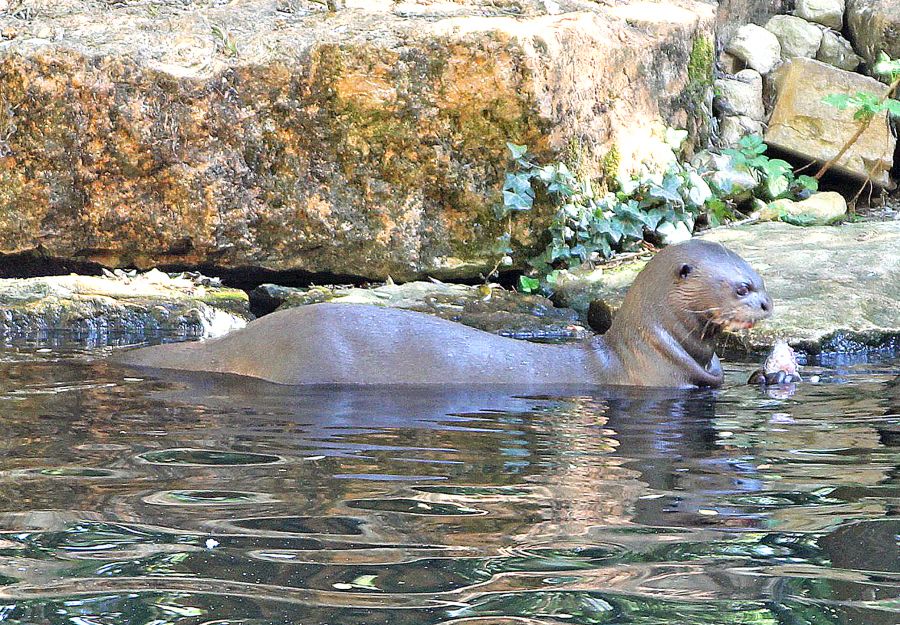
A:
[97,311]
[836,288]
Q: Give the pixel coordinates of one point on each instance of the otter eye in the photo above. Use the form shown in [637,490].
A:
[742,290]
[685,271]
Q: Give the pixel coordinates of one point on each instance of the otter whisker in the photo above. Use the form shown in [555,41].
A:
[706,326]
[705,310]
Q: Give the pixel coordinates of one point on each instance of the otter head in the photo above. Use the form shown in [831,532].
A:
[714,288]
[679,304]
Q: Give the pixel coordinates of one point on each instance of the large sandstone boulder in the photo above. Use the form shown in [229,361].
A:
[368,142]
[874,27]
[803,124]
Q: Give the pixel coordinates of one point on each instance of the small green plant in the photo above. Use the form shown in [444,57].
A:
[867,105]
[225,41]
[589,226]
[776,177]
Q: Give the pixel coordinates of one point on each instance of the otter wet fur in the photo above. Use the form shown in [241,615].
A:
[664,335]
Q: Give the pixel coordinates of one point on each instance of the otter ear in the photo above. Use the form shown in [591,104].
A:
[685,271]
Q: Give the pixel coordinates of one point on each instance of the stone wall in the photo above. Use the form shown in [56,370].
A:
[732,14]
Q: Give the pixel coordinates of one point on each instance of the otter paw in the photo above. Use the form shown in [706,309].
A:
[774,378]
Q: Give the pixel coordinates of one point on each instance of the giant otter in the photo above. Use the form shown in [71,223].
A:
[663,335]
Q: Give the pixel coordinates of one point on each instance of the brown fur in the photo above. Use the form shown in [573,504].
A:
[664,335]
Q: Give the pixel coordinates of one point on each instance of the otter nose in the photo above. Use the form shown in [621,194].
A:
[766,304]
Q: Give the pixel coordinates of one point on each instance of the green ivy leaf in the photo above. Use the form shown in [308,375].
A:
[517,151]
[654,216]
[808,182]
[519,183]
[893,107]
[515,202]
[885,66]
[752,143]
[777,186]
[778,167]
[503,244]
[529,285]
[838,100]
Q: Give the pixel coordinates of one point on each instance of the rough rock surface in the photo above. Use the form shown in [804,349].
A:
[578,288]
[744,93]
[835,288]
[837,51]
[826,12]
[874,27]
[803,124]
[367,142]
[733,128]
[796,36]
[490,309]
[123,309]
[757,47]
[732,14]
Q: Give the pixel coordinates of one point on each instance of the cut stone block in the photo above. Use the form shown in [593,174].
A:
[804,125]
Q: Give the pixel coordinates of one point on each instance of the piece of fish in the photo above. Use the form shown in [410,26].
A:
[781,366]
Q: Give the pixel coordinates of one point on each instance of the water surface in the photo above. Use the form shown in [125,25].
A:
[132,499]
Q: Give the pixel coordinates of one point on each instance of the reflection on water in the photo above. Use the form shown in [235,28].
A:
[129,499]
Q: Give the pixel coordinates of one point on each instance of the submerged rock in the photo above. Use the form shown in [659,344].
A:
[491,309]
[370,141]
[117,309]
[801,123]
